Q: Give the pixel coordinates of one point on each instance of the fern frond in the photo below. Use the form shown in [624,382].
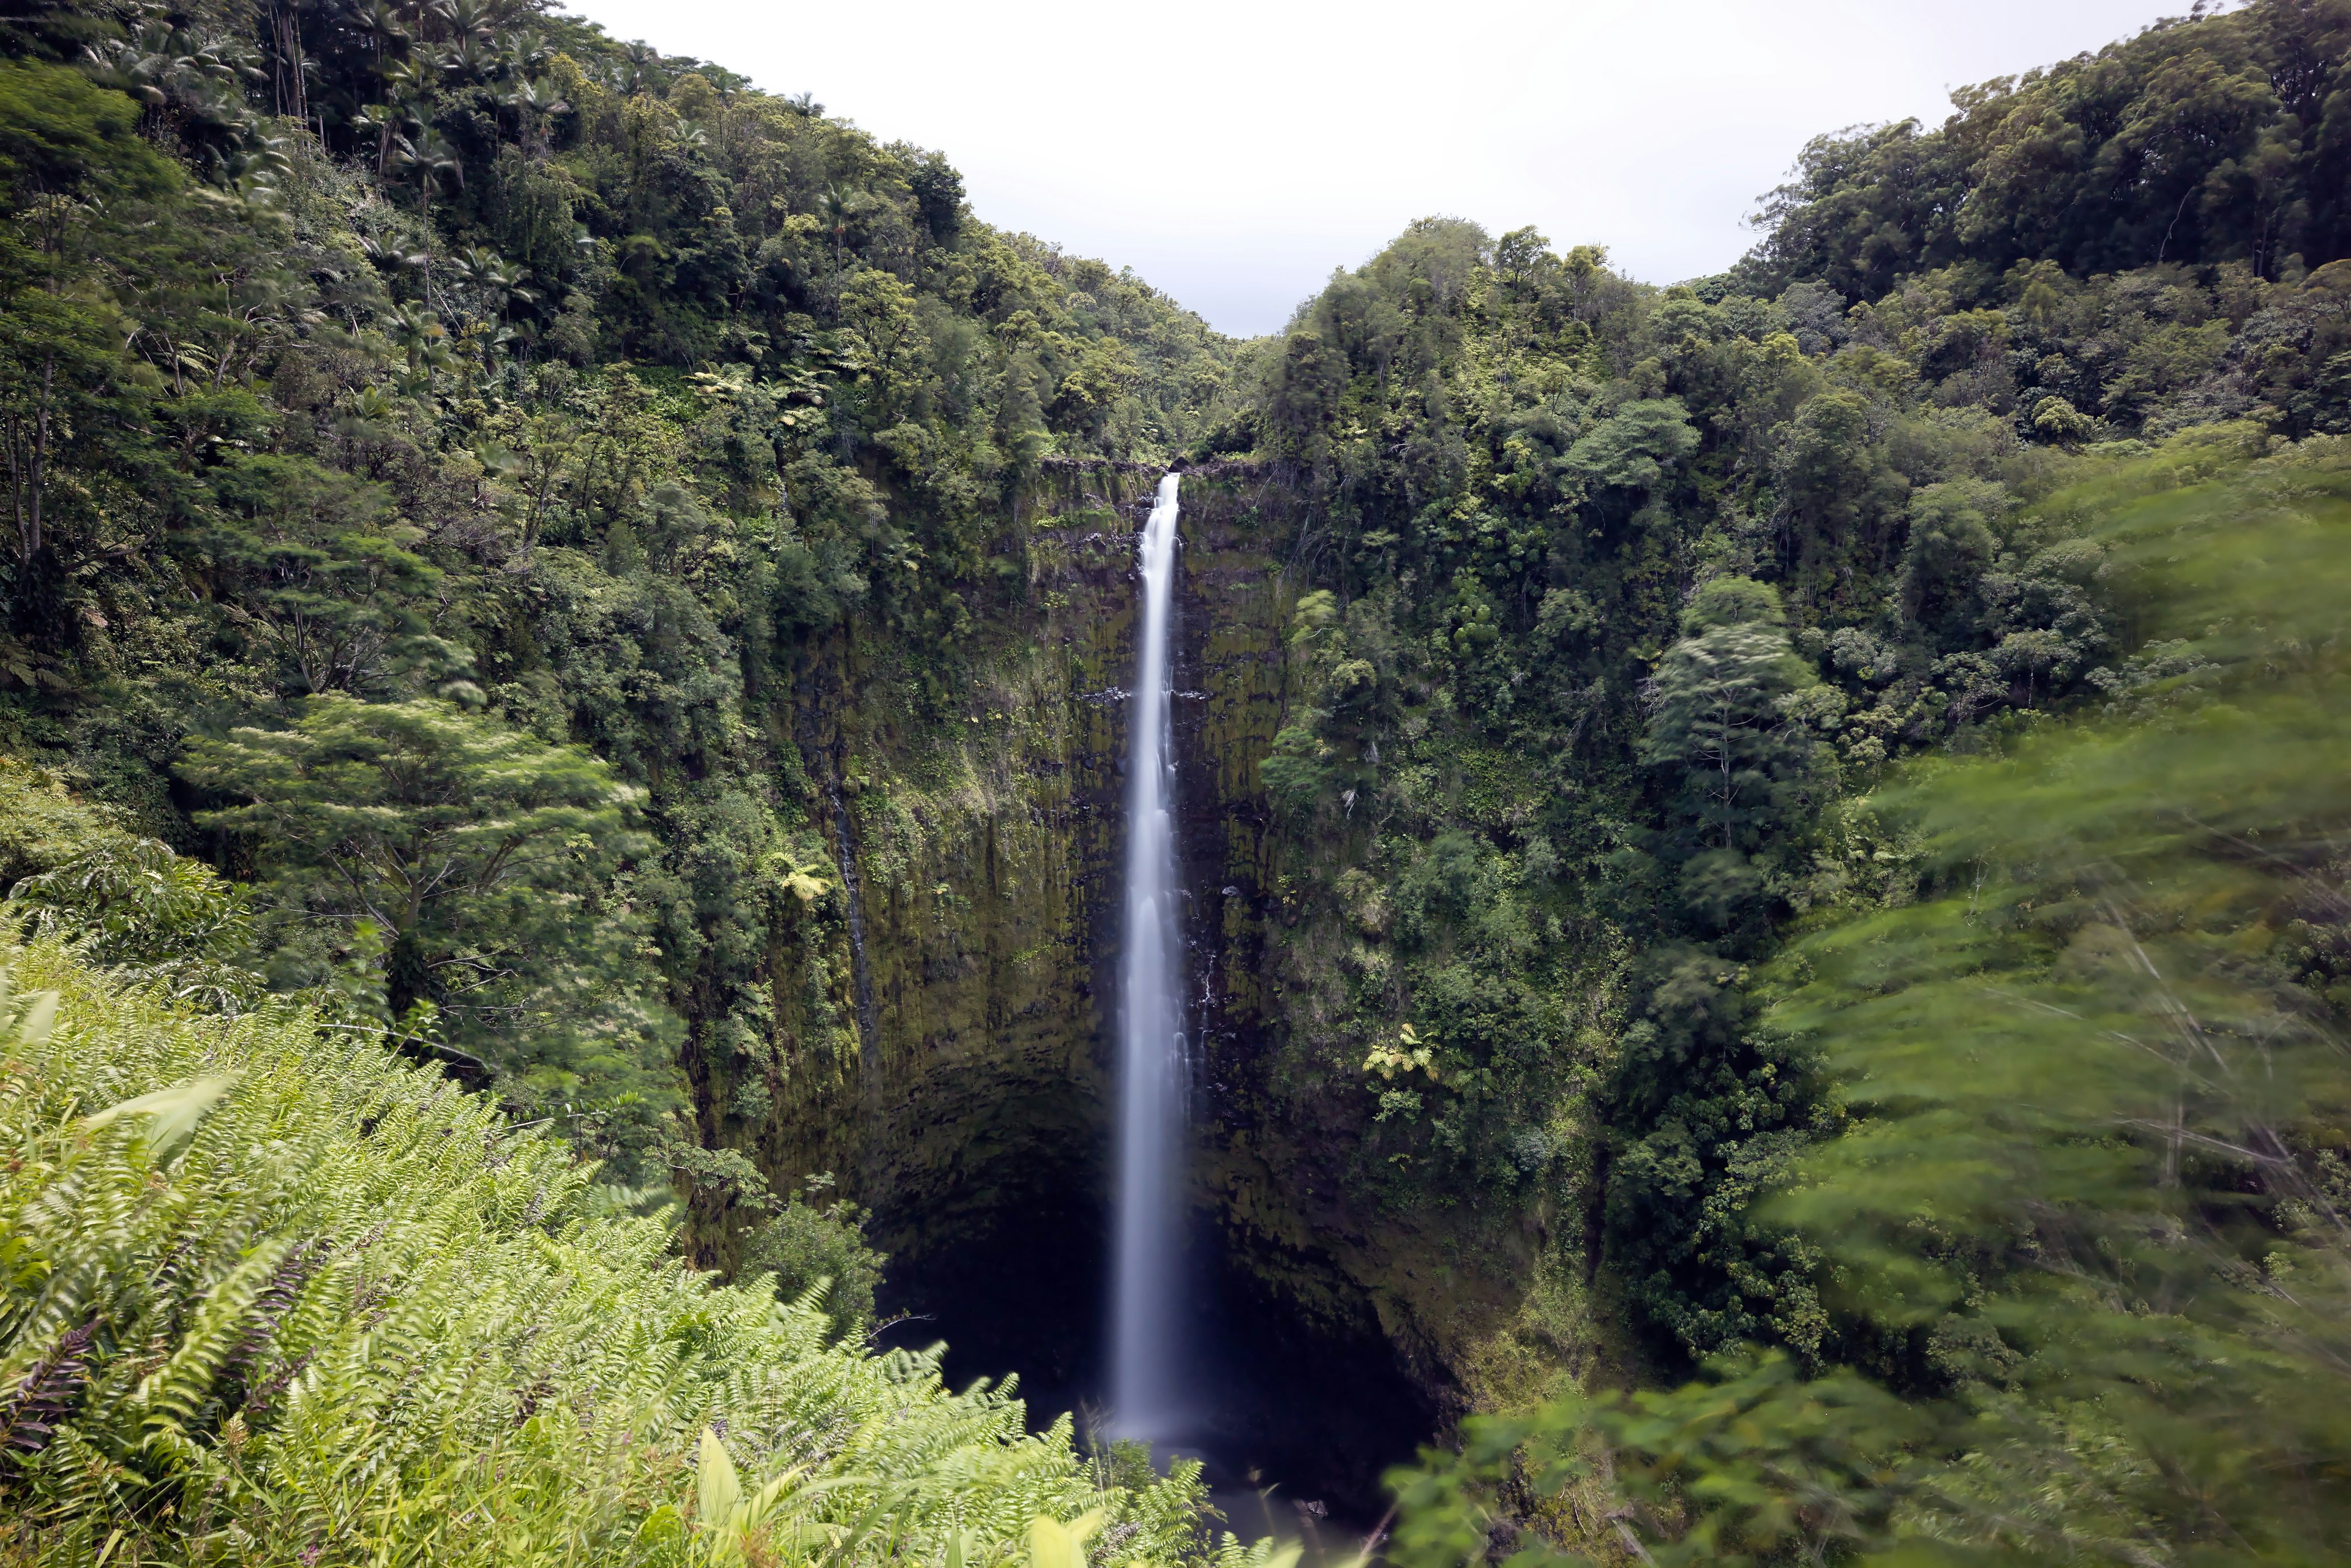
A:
[349,1307]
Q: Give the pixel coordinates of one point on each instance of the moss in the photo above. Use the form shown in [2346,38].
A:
[985,833]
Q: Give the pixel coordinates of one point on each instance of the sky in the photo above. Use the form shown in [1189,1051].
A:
[1234,151]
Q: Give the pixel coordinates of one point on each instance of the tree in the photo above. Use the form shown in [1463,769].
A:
[67,148]
[322,582]
[467,869]
[805,1248]
[126,902]
[1950,549]
[1718,730]
[58,360]
[62,135]
[1707,1107]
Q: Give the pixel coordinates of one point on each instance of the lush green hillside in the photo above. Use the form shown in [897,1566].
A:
[1621,602]
[2082,1256]
[508,454]
[2206,142]
[611,584]
[1628,609]
[273,1295]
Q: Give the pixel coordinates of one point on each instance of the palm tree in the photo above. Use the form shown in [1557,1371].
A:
[638,70]
[472,57]
[535,101]
[839,209]
[493,276]
[434,161]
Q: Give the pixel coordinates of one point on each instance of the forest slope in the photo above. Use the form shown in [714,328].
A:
[453,452]
[1620,603]
[274,1295]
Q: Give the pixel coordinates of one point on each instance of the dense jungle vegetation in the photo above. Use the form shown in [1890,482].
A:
[1858,729]
[1635,598]
[1815,790]
[309,1300]
[433,437]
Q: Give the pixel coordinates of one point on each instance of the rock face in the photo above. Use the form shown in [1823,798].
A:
[942,1018]
[947,1005]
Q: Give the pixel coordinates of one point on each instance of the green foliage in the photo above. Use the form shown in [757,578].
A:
[2207,141]
[471,867]
[1753,1465]
[2086,1255]
[455,444]
[1538,490]
[1720,716]
[61,135]
[134,902]
[307,1303]
[315,584]
[819,1254]
[43,825]
[124,901]
[383,391]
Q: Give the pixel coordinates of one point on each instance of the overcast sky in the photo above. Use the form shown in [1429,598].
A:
[1234,151]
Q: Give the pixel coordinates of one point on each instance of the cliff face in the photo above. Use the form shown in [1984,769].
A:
[944,1019]
[1482,1306]
[941,1011]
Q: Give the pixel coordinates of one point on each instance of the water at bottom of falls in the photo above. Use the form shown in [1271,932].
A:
[1300,1417]
[1306,1410]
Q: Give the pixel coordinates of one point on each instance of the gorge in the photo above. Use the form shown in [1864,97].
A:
[1002,1105]
[667,807]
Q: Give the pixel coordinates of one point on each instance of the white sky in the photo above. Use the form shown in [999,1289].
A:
[1234,151]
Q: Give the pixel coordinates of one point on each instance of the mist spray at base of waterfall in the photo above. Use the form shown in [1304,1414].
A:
[1148,1338]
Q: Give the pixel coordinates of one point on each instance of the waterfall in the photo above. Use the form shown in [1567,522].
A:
[1146,1287]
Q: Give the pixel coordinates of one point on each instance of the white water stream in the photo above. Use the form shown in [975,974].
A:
[1154,1071]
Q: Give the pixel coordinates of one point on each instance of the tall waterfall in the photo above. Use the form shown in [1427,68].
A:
[1146,1320]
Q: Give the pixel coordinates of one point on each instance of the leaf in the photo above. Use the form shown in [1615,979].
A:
[32,1026]
[175,1111]
[1053,1544]
[716,1486]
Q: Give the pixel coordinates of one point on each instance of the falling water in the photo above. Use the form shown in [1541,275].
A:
[1146,1348]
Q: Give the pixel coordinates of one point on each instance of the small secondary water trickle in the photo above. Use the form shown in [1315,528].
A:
[1147,1326]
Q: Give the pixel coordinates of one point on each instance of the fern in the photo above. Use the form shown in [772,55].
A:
[270,1295]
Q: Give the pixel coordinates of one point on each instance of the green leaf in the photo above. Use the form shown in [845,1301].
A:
[717,1487]
[175,1111]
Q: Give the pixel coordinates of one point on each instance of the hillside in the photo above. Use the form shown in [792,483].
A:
[1617,606]
[617,587]
[272,1293]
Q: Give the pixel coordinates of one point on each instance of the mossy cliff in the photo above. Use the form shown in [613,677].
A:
[943,1016]
[937,1024]
[1481,1292]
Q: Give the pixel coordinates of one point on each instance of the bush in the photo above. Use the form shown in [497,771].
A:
[821,1250]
